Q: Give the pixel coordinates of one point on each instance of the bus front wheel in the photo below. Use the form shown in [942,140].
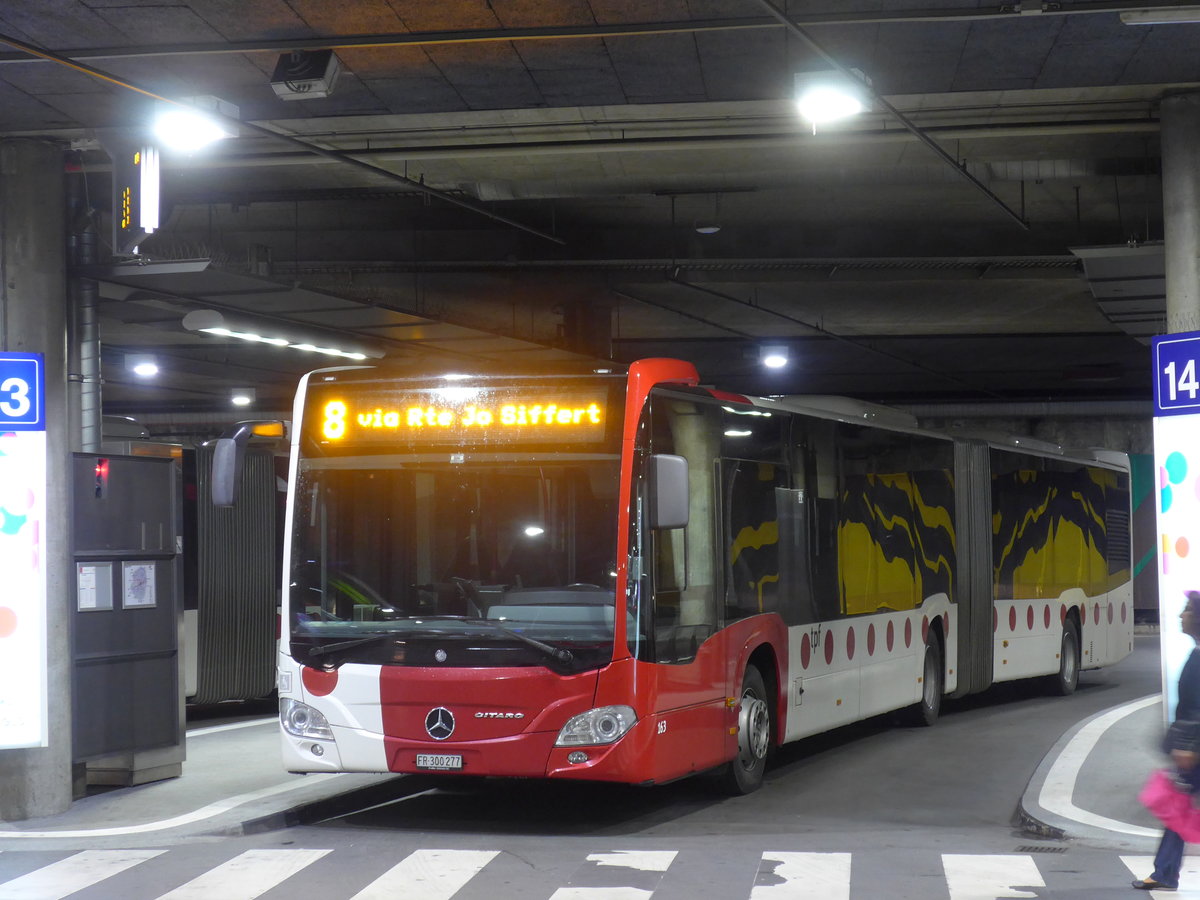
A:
[744,773]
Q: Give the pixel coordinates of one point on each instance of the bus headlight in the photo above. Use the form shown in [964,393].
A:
[303,721]
[597,726]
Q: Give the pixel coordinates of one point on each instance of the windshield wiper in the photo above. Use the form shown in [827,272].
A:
[376,637]
[470,590]
[560,653]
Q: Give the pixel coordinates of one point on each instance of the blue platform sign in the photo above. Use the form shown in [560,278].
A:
[1177,469]
[22,392]
[23,529]
[1177,374]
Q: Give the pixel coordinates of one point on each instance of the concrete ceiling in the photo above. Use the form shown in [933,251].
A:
[500,180]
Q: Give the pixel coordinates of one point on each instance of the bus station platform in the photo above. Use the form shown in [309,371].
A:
[1085,790]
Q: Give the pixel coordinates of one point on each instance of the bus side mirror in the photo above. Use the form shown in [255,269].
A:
[227,457]
[226,467]
[668,477]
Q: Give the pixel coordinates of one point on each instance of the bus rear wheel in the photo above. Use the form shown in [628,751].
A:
[1064,683]
[744,773]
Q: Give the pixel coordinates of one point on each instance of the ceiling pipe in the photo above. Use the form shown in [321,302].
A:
[1141,125]
[1028,410]
[636,29]
[877,98]
[336,155]
[1040,266]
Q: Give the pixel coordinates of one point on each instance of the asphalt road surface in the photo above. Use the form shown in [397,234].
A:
[874,810]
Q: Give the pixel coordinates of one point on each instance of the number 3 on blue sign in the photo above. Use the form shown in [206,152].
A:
[18,403]
[22,391]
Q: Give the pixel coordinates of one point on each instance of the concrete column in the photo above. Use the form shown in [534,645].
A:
[33,318]
[1181,209]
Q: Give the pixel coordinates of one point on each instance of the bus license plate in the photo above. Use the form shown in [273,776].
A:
[438,761]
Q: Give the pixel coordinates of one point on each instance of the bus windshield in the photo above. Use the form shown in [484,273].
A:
[411,560]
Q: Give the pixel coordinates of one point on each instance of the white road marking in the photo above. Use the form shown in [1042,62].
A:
[247,875]
[1059,787]
[1189,876]
[643,860]
[638,860]
[428,875]
[76,872]
[233,726]
[806,876]
[196,815]
[972,877]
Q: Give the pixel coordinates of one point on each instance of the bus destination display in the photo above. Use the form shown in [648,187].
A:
[444,417]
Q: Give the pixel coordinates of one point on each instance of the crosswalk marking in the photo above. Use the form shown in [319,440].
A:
[643,860]
[634,862]
[978,877]
[607,875]
[1189,876]
[246,876]
[65,877]
[803,876]
[428,875]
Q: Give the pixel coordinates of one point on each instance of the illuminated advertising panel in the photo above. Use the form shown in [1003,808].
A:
[22,550]
[368,417]
[1177,464]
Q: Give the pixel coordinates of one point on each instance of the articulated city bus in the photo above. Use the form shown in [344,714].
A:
[634,578]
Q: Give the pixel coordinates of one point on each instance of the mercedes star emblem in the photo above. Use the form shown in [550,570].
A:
[439,723]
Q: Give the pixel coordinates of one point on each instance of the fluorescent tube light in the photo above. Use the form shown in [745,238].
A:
[277,334]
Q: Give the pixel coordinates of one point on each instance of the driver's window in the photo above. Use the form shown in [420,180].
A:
[684,560]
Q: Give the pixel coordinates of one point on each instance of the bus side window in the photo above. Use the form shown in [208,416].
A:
[820,456]
[750,522]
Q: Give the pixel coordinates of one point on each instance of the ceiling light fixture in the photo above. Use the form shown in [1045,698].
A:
[774,357]
[714,225]
[195,123]
[277,334]
[242,396]
[1174,16]
[141,365]
[829,95]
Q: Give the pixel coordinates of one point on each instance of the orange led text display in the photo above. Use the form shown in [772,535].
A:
[426,421]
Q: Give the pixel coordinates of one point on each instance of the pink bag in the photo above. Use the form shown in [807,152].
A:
[1171,806]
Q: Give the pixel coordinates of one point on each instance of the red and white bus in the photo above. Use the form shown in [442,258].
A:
[634,578]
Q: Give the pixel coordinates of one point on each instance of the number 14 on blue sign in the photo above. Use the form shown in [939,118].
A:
[1177,374]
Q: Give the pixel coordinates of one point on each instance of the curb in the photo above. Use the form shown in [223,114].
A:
[335,806]
[1032,819]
